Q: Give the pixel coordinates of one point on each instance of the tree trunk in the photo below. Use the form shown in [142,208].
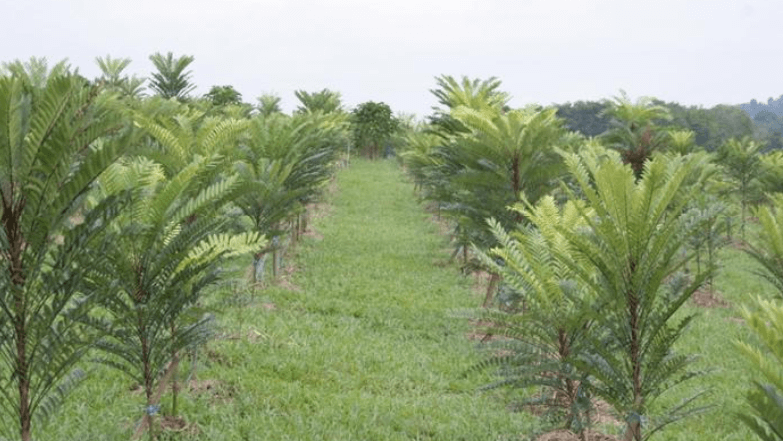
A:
[491,287]
[174,379]
[11,217]
[148,378]
[258,267]
[710,252]
[516,185]
[633,428]
[23,379]
[743,204]
[633,431]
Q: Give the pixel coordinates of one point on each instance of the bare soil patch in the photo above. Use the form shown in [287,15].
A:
[216,357]
[444,226]
[479,332]
[286,277]
[567,435]
[737,320]
[709,299]
[603,414]
[218,391]
[178,424]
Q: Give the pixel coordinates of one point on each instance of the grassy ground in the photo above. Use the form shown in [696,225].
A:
[360,343]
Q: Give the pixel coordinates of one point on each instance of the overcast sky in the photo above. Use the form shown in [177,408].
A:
[702,52]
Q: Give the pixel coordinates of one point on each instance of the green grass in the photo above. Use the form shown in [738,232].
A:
[366,346]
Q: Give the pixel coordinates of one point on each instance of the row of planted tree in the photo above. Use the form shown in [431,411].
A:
[594,245]
[116,209]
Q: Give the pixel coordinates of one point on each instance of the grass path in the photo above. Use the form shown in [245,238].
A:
[366,348]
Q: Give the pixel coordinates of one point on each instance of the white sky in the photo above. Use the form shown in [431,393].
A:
[692,51]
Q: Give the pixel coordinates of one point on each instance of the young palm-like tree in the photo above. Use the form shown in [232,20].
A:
[501,159]
[163,254]
[742,161]
[112,76]
[475,94]
[542,344]
[630,259]
[480,95]
[767,246]
[185,133]
[634,131]
[682,141]
[325,101]
[56,137]
[171,79]
[765,416]
[269,104]
[35,71]
[766,321]
[284,163]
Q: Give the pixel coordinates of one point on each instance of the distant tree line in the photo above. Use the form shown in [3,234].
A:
[768,119]
[711,126]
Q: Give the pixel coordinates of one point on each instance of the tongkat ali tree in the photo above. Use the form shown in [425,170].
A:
[57,135]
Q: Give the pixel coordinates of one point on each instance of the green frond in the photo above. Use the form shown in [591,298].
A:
[765,396]
[226,245]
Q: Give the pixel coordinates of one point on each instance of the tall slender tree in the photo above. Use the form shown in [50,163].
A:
[326,101]
[765,356]
[742,161]
[630,258]
[501,159]
[269,104]
[542,344]
[172,80]
[164,253]
[112,76]
[223,95]
[57,136]
[635,129]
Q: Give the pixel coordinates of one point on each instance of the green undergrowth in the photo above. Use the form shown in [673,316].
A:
[359,343]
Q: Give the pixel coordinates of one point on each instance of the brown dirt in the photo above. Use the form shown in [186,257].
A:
[603,414]
[250,335]
[285,279]
[177,424]
[444,226]
[709,299]
[739,244]
[218,391]
[737,320]
[312,234]
[136,389]
[216,357]
[567,435]
[481,283]
[316,211]
[479,332]
[269,306]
